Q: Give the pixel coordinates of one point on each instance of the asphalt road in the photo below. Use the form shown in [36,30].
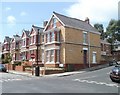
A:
[88,82]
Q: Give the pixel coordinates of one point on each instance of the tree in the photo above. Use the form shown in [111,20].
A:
[8,58]
[113,31]
[100,28]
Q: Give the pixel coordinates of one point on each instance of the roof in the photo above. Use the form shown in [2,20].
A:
[38,29]
[26,32]
[75,23]
[105,42]
[16,37]
[117,43]
[7,39]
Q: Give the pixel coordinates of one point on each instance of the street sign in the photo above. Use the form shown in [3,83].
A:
[32,55]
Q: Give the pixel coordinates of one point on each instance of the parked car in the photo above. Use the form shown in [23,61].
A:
[2,68]
[115,74]
[113,62]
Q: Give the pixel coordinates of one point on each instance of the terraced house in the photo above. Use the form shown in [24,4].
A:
[71,43]
[6,47]
[15,49]
[35,44]
[64,42]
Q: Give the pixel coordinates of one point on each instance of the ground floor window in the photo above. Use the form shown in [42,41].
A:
[58,55]
[53,56]
[94,57]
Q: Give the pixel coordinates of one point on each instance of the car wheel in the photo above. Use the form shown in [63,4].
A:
[112,79]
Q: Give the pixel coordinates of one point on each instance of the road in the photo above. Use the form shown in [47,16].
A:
[97,81]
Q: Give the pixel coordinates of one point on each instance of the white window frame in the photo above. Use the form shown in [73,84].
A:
[48,37]
[54,22]
[52,53]
[94,60]
[47,56]
[58,56]
[42,38]
[85,37]
[52,36]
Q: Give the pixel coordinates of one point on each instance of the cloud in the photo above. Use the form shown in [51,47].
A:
[11,20]
[23,13]
[98,11]
[7,8]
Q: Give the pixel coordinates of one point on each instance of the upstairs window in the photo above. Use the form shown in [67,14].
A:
[42,38]
[85,37]
[52,36]
[48,37]
[24,42]
[54,22]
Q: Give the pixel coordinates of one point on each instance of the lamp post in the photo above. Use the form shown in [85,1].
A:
[37,69]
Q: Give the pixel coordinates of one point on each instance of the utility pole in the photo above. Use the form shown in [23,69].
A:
[37,69]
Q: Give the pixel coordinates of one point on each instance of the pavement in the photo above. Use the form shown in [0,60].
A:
[61,74]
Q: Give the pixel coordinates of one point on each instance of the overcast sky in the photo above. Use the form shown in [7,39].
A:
[16,16]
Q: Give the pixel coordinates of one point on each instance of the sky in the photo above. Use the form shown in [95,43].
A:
[16,16]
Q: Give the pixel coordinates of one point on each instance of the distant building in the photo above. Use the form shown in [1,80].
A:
[119,10]
[116,50]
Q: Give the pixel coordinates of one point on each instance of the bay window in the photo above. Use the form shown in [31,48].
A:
[58,55]
[47,56]
[52,56]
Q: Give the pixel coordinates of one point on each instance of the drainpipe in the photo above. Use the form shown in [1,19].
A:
[89,48]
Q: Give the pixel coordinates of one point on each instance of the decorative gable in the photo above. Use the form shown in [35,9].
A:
[23,35]
[32,31]
[53,22]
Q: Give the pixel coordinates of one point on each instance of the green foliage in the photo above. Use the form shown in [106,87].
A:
[7,59]
[100,29]
[18,63]
[113,31]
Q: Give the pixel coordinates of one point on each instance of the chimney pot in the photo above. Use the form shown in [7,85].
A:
[87,20]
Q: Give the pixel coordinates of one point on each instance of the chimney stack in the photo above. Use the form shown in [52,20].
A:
[87,20]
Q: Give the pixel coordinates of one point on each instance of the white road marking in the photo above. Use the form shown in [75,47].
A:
[17,79]
[99,83]
[89,77]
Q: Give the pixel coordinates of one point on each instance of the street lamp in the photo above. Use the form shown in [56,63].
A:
[37,69]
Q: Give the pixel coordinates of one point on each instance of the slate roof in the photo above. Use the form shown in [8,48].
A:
[105,42]
[7,39]
[37,29]
[76,23]
[16,37]
[26,32]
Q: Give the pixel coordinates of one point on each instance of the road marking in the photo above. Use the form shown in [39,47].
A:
[99,83]
[89,77]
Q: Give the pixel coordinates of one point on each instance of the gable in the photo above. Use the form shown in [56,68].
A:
[52,22]
[23,35]
[12,40]
[32,31]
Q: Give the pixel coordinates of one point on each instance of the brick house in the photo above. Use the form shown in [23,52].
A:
[15,48]
[105,50]
[35,42]
[71,43]
[116,50]
[6,46]
[24,49]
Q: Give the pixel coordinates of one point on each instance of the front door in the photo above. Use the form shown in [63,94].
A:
[85,56]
